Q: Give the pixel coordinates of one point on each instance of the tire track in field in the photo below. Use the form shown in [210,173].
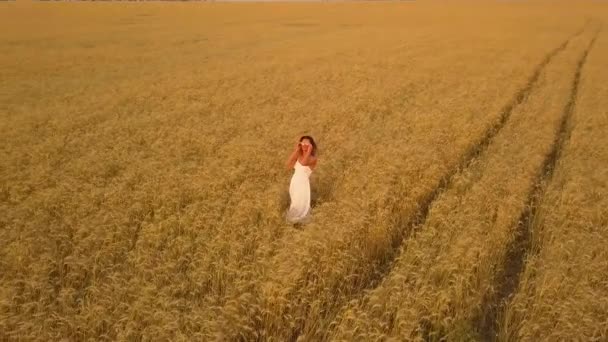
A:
[474,151]
[469,156]
[411,224]
[507,280]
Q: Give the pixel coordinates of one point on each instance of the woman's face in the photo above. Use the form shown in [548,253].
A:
[306,145]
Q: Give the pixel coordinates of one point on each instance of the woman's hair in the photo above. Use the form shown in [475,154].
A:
[312,142]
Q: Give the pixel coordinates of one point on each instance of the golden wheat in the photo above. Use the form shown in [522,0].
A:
[142,184]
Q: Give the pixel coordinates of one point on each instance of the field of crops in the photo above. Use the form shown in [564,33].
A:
[461,191]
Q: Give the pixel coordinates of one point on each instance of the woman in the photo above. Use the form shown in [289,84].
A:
[303,160]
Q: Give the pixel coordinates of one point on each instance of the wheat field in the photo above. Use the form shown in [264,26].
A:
[461,192]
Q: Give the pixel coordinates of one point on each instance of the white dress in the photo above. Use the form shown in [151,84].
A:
[299,191]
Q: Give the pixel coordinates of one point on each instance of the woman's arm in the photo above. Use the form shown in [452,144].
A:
[291,161]
[308,159]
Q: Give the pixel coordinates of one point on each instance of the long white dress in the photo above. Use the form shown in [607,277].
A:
[299,191]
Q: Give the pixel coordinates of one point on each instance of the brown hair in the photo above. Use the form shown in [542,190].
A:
[312,142]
